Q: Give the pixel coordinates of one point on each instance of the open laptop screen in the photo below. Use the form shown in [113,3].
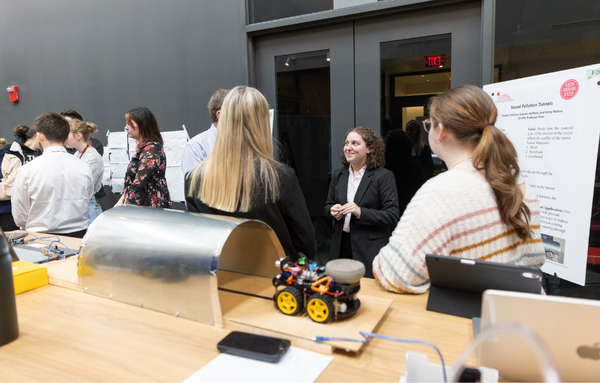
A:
[569,327]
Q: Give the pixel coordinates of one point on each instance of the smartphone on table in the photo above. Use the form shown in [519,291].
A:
[259,347]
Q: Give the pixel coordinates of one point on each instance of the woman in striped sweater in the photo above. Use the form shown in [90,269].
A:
[479,209]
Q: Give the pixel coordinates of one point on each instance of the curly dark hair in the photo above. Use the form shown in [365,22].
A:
[375,159]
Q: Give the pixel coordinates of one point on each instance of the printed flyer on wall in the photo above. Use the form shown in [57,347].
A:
[553,120]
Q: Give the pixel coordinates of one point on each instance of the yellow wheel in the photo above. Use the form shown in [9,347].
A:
[320,308]
[289,301]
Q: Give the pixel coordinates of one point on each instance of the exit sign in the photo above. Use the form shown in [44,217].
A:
[435,60]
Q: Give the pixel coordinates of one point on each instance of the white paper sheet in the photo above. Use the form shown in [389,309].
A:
[118,170]
[552,120]
[121,148]
[117,185]
[105,159]
[118,155]
[174,145]
[175,183]
[117,140]
[297,365]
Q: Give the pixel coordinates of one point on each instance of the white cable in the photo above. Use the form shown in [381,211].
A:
[545,360]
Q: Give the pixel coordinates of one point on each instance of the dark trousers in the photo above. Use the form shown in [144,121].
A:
[346,246]
[7,223]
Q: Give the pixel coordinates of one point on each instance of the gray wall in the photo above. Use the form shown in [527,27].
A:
[104,57]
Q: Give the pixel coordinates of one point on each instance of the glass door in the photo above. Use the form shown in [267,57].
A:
[403,47]
[376,72]
[299,73]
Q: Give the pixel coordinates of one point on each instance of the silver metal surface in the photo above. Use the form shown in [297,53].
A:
[167,260]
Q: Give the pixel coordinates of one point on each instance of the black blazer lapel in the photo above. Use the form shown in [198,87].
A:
[343,186]
[362,187]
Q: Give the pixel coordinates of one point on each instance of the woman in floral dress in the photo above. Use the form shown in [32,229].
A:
[145,182]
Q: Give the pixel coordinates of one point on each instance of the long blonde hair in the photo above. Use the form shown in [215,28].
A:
[470,114]
[241,164]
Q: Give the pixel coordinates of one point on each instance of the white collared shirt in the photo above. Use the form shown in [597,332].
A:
[52,193]
[94,160]
[197,149]
[353,183]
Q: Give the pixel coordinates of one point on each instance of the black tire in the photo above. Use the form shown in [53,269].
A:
[345,270]
[289,301]
[320,308]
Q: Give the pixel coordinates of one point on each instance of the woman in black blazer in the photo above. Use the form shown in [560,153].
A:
[362,200]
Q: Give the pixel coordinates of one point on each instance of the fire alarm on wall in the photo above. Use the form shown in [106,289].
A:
[13,93]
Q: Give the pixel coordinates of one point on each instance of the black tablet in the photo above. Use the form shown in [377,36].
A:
[457,283]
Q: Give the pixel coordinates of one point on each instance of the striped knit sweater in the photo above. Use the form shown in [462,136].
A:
[453,214]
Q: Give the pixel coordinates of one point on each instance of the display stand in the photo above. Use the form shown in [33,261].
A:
[257,314]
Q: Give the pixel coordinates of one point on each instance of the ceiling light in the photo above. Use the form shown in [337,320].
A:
[328,58]
[287,62]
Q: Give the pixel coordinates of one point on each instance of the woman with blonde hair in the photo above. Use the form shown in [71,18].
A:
[240,177]
[479,209]
[79,139]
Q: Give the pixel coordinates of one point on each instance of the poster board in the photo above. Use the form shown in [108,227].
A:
[553,120]
[121,149]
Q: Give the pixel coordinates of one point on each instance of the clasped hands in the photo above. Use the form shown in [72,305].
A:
[338,211]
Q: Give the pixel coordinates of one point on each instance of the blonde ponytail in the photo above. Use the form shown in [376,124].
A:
[85,128]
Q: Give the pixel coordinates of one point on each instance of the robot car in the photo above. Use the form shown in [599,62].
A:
[325,293]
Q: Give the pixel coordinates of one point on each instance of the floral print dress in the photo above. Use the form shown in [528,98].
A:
[145,182]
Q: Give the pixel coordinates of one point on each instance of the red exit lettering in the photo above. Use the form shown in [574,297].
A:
[436,60]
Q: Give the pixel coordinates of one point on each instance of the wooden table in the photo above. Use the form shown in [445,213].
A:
[67,335]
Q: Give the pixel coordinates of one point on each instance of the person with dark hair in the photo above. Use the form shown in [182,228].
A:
[10,165]
[70,115]
[52,193]
[24,149]
[362,199]
[407,170]
[145,179]
[25,146]
[420,151]
[479,209]
[199,147]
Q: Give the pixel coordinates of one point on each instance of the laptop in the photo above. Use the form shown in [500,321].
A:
[569,327]
[30,253]
[457,283]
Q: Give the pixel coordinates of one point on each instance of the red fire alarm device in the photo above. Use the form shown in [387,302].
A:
[13,93]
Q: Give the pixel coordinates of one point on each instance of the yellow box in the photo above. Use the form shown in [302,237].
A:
[28,276]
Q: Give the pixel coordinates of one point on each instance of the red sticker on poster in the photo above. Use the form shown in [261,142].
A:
[569,89]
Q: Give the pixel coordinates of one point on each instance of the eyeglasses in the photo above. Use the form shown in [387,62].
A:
[427,124]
